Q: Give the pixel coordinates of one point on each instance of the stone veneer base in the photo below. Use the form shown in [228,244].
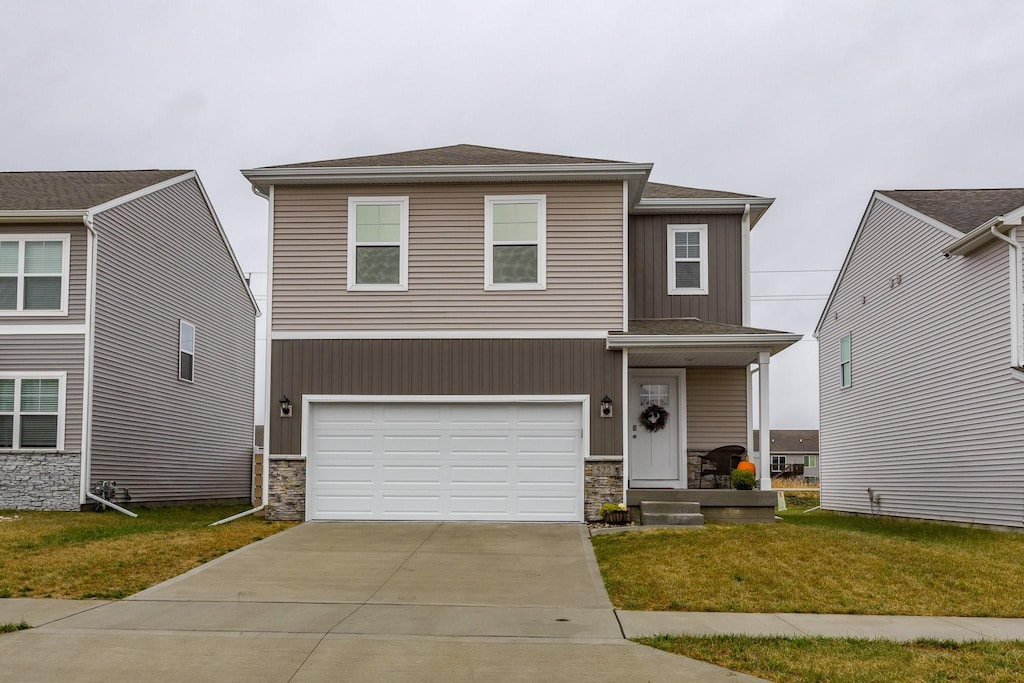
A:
[40,481]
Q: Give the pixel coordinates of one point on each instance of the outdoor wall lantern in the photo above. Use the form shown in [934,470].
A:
[286,406]
[606,406]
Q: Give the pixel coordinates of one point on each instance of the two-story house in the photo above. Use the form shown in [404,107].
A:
[474,333]
[126,342]
[921,360]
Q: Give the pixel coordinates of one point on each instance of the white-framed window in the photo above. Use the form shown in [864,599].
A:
[845,361]
[688,259]
[32,411]
[778,463]
[34,274]
[515,242]
[186,351]
[378,244]
[810,461]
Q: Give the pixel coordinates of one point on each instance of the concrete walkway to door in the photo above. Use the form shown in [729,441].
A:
[363,601]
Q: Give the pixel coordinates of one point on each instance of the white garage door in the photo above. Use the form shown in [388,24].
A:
[437,461]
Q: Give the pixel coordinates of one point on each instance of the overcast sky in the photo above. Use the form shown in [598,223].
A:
[815,103]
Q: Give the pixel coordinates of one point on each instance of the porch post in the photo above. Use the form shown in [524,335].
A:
[765,433]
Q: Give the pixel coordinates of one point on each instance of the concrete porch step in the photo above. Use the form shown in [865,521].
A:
[666,513]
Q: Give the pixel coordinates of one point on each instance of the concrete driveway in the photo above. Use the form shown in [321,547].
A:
[355,601]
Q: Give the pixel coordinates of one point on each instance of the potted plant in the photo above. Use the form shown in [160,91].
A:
[743,480]
[615,513]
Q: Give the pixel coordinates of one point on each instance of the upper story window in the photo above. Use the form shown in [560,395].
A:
[515,228]
[186,351]
[378,238]
[688,259]
[34,274]
[32,411]
[845,362]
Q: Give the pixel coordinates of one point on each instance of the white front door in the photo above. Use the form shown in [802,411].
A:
[655,454]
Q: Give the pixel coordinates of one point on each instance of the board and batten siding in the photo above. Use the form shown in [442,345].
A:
[26,354]
[161,258]
[933,421]
[716,407]
[77,265]
[649,276]
[445,366]
[446,261]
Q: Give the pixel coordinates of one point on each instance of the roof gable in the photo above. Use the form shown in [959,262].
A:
[963,210]
[452,155]
[72,190]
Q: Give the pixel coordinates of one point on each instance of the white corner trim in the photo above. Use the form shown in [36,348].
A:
[269,322]
[403,245]
[439,334]
[745,264]
[625,260]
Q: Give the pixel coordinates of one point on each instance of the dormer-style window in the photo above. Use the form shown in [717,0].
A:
[687,259]
[515,228]
[378,239]
[34,274]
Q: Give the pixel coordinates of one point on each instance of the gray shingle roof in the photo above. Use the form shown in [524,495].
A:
[72,190]
[792,440]
[689,326]
[452,155]
[963,210]
[662,191]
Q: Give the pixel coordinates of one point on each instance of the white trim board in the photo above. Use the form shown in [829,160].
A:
[439,334]
[12,330]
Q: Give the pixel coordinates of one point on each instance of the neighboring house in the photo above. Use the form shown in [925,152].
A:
[126,341]
[922,385]
[794,453]
[472,333]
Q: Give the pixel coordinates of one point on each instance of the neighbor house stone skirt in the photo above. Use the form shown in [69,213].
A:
[287,499]
[40,481]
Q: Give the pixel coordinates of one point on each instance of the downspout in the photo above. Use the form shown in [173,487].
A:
[1016,314]
[745,317]
[87,379]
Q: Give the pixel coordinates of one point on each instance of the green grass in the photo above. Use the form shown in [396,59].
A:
[818,562]
[848,660]
[10,627]
[110,555]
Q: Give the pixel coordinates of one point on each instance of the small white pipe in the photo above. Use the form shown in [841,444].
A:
[109,504]
[240,514]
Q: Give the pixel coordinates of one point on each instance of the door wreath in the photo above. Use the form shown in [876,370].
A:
[654,417]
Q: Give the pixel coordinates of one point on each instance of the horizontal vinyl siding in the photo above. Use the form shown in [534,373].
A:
[77,264]
[445,366]
[933,421]
[649,277]
[716,407]
[51,353]
[446,261]
[161,258]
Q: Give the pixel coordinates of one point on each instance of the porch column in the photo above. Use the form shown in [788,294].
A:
[765,433]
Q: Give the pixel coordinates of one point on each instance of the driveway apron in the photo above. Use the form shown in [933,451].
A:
[363,601]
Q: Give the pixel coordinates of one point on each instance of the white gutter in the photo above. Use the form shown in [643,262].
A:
[709,203]
[43,216]
[332,174]
[1016,314]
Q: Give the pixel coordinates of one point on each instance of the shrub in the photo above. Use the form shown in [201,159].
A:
[743,480]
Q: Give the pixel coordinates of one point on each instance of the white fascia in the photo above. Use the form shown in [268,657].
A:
[48,216]
[711,204]
[649,341]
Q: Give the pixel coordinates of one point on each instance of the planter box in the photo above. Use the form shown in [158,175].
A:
[617,517]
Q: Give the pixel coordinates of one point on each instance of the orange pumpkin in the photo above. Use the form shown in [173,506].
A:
[747,466]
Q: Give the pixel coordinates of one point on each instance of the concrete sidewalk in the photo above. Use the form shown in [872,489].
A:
[897,628]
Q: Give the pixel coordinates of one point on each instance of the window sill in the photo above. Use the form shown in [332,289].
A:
[378,288]
[518,287]
[46,313]
[688,292]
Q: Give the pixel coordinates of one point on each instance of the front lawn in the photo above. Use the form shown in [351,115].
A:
[842,660]
[818,562]
[110,555]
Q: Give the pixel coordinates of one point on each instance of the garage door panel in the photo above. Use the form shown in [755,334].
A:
[484,461]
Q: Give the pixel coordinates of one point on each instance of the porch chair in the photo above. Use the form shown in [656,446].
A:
[720,462]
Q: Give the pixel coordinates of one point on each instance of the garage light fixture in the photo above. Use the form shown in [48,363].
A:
[286,406]
[606,406]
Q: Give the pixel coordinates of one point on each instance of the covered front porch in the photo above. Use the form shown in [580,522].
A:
[689,387]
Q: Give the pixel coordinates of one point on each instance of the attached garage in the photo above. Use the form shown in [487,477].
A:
[437,458]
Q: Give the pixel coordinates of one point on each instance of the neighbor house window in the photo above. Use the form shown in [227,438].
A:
[34,274]
[778,463]
[515,229]
[810,461]
[31,412]
[186,350]
[378,239]
[687,259]
[845,364]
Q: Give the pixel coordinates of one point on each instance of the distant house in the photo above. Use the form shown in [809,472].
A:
[794,453]
[920,358]
[126,341]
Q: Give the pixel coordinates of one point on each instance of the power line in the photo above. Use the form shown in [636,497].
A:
[800,270]
[789,297]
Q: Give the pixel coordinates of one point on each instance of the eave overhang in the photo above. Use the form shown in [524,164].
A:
[740,349]
[983,234]
[758,205]
[44,216]
[634,174]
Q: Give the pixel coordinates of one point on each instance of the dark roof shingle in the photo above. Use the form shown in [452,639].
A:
[72,190]
[663,191]
[689,326]
[963,210]
[452,155]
